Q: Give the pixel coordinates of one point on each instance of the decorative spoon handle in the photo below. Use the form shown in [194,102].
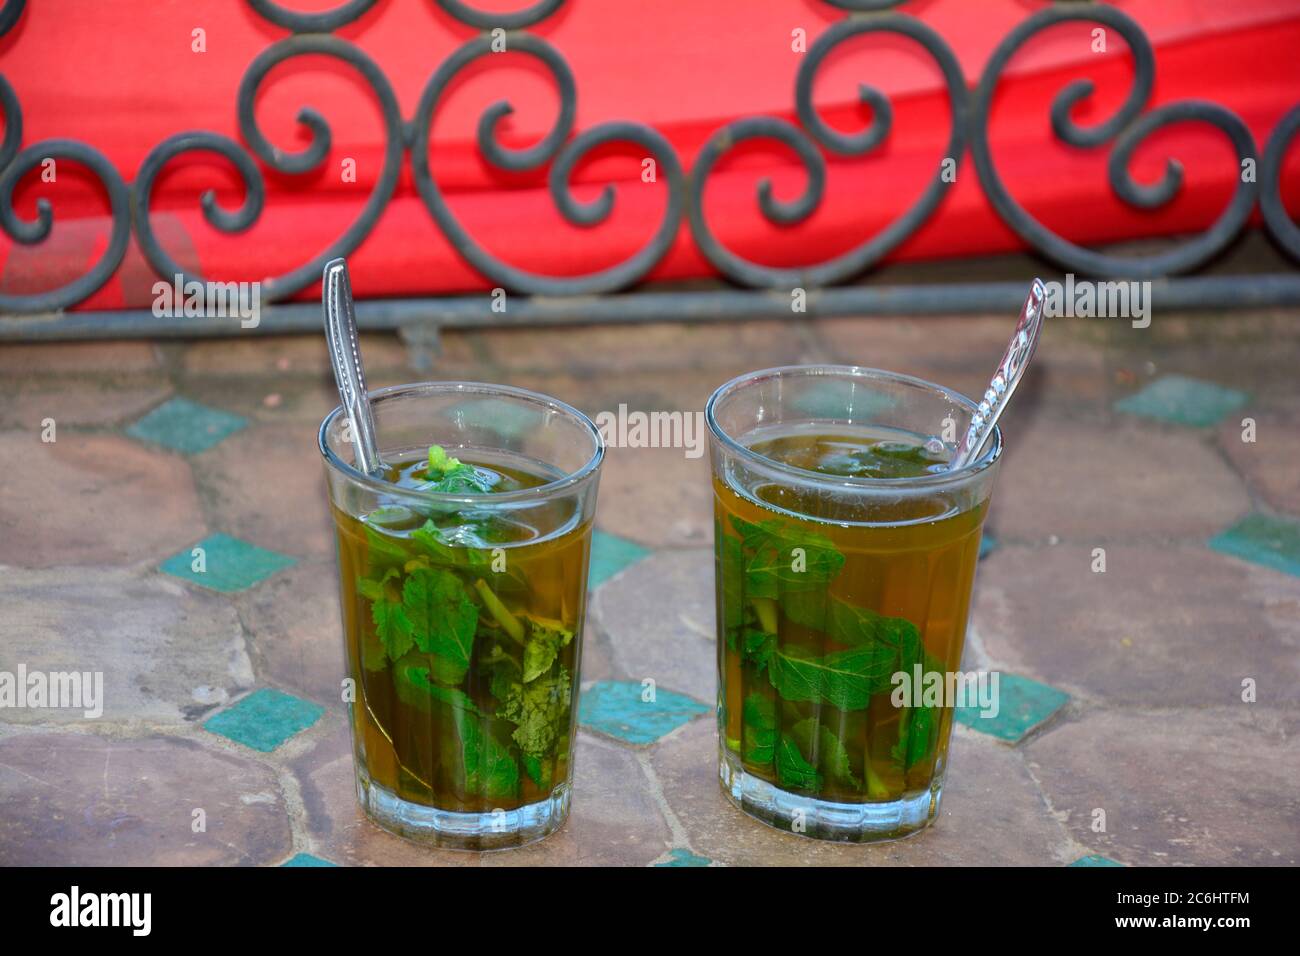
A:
[1005,379]
[345,355]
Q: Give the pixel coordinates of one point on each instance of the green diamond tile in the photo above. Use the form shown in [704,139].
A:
[231,564]
[616,708]
[680,857]
[264,719]
[988,544]
[306,859]
[1023,704]
[1093,859]
[186,426]
[610,554]
[1183,401]
[1263,539]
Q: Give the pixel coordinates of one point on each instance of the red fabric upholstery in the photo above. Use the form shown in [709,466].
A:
[122,77]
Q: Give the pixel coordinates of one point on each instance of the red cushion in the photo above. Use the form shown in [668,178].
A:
[122,77]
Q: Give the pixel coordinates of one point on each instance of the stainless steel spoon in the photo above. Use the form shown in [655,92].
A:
[1005,379]
[345,355]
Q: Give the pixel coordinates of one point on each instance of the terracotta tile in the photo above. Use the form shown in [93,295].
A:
[93,499]
[1211,787]
[1161,627]
[87,800]
[167,651]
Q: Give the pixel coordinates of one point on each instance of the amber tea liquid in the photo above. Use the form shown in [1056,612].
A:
[462,631]
[821,600]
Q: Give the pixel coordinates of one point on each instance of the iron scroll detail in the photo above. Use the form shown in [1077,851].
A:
[873,250]
[562,150]
[1128,128]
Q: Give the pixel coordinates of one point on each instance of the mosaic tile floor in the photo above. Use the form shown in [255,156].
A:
[1138,594]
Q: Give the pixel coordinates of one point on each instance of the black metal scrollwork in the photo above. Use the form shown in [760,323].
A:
[316,152]
[551,147]
[303,161]
[230,222]
[10,13]
[865,6]
[1270,196]
[564,150]
[868,253]
[17,163]
[325,21]
[1128,131]
[31,233]
[486,20]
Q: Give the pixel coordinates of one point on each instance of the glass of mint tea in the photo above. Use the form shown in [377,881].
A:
[845,555]
[463,580]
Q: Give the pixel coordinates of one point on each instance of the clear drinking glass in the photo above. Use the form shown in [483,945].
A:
[845,555]
[463,612]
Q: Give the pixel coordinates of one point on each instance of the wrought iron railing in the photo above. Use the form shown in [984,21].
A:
[587,296]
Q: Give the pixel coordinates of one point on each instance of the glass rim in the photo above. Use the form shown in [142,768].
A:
[940,479]
[383,486]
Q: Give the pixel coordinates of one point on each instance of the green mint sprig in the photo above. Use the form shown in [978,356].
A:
[764,580]
[434,614]
[451,476]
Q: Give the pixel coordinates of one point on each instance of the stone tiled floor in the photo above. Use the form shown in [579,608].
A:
[174,536]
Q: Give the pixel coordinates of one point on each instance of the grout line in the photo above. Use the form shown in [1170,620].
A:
[675,827]
[295,811]
[1072,848]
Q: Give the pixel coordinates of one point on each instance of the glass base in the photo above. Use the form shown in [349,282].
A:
[448,829]
[826,819]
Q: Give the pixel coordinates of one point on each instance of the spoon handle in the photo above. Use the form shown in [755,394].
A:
[1009,371]
[345,355]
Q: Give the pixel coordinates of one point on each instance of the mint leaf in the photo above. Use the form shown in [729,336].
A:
[759,719]
[545,638]
[392,627]
[894,643]
[850,678]
[484,765]
[772,564]
[757,646]
[468,481]
[539,710]
[730,572]
[390,516]
[883,459]
[451,476]
[539,771]
[490,770]
[465,535]
[832,757]
[461,480]
[918,725]
[411,681]
[850,624]
[373,589]
[451,547]
[793,770]
[505,672]
[810,609]
[918,732]
[796,675]
[383,553]
[440,463]
[443,620]
[844,679]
